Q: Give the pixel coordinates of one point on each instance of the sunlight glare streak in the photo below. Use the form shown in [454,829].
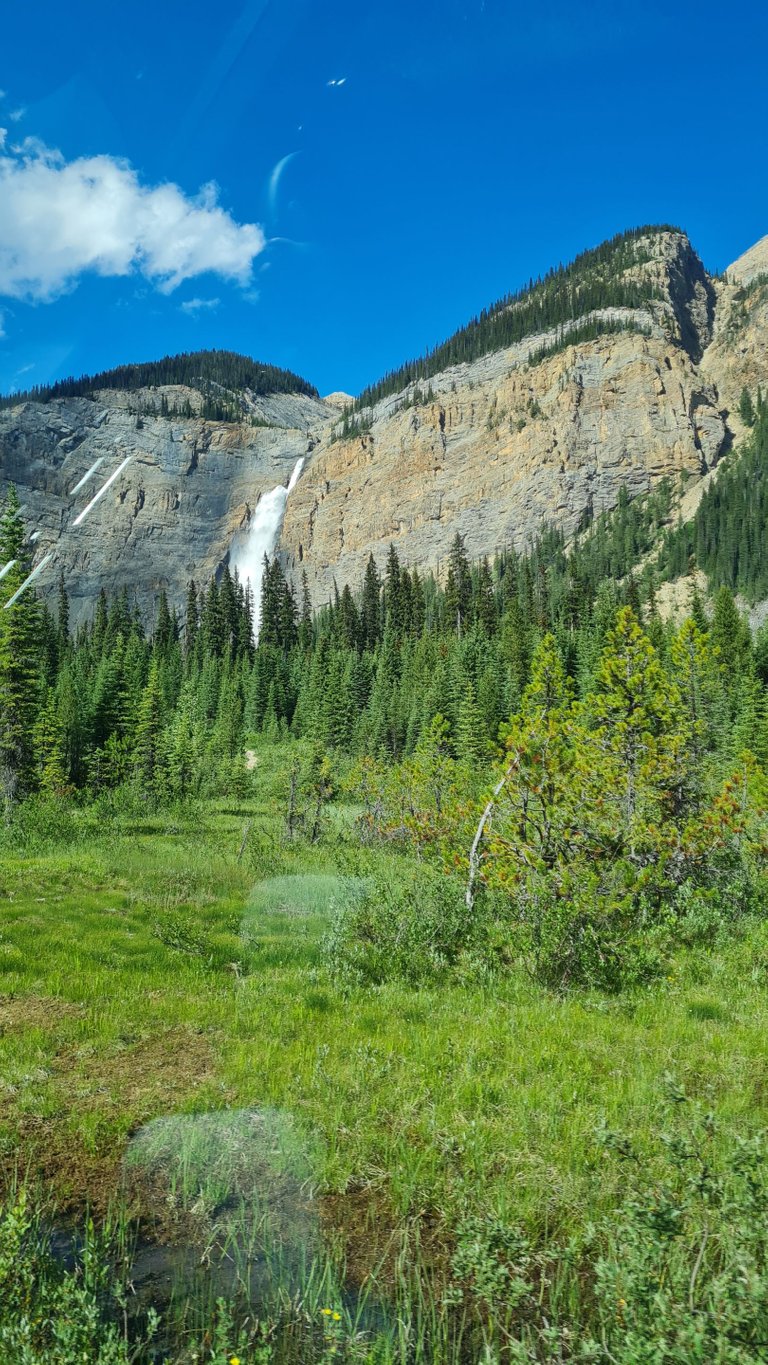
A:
[101,491]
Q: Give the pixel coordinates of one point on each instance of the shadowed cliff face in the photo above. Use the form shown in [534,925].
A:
[503,446]
[191,486]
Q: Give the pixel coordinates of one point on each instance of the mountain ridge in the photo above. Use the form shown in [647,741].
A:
[547,430]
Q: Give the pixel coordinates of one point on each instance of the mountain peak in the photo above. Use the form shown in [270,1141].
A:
[752,263]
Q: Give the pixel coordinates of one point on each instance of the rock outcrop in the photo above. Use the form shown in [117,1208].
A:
[189,489]
[508,443]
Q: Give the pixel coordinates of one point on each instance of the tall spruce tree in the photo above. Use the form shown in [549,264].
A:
[20,664]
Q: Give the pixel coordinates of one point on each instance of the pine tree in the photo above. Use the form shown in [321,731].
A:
[458,586]
[49,748]
[393,595]
[165,626]
[484,602]
[191,620]
[305,624]
[471,732]
[62,618]
[349,621]
[746,408]
[19,659]
[272,586]
[730,637]
[371,605]
[288,617]
[634,708]
[149,730]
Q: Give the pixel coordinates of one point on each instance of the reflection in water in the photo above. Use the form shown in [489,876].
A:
[230,1205]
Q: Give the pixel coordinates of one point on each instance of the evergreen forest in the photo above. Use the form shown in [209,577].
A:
[595,279]
[207,371]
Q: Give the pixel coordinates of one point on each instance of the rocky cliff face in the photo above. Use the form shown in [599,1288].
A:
[495,449]
[738,355]
[508,445]
[173,513]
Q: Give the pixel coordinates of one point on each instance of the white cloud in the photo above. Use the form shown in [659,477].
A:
[2,325]
[17,114]
[198,305]
[59,220]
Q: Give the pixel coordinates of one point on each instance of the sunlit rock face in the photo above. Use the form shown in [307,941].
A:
[506,446]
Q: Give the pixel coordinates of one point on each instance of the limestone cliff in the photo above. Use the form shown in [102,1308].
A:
[190,488]
[509,442]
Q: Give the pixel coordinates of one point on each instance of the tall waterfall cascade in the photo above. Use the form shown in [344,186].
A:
[261,538]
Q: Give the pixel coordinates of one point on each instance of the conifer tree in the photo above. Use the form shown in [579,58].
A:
[149,728]
[50,755]
[634,709]
[458,586]
[484,602]
[305,624]
[19,658]
[393,595]
[191,620]
[371,605]
[471,732]
[62,617]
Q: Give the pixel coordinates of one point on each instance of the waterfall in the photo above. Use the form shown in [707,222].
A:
[261,538]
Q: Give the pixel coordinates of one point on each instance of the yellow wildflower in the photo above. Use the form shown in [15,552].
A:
[336,1317]
[326,1312]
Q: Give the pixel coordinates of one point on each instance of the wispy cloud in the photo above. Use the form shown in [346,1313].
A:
[16,114]
[193,306]
[61,219]
[2,325]
[341,81]
[274,179]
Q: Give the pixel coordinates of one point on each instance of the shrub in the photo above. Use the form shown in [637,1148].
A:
[416,929]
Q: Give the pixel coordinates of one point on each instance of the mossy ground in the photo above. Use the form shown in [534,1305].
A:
[147,969]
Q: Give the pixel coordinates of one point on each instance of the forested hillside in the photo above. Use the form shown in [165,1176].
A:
[595,279]
[727,535]
[203,370]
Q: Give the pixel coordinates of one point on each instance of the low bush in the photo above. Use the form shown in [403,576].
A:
[414,926]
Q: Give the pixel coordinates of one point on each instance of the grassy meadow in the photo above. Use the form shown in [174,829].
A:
[169,966]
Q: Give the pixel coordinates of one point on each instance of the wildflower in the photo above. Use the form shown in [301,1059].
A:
[336,1317]
[234,1360]
[326,1312]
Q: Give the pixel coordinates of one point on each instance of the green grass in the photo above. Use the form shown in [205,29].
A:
[439,1096]
[146,971]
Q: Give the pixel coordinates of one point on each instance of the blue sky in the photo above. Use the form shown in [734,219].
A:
[381,171]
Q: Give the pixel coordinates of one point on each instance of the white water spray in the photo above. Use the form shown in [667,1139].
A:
[101,491]
[261,539]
